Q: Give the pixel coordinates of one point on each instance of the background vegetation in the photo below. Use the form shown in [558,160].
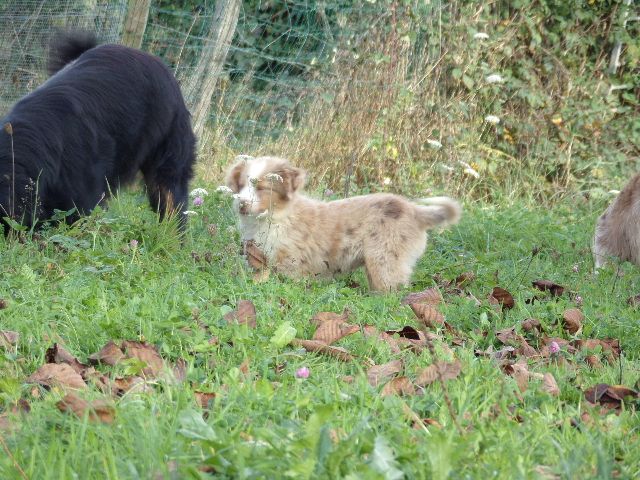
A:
[368,96]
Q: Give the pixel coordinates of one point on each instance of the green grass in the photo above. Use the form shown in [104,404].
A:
[83,286]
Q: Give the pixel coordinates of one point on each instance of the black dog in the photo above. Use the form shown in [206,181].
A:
[106,112]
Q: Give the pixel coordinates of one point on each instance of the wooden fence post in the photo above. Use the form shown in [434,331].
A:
[202,84]
[135,23]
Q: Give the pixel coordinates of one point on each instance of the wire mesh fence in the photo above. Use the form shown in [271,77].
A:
[277,52]
[26,27]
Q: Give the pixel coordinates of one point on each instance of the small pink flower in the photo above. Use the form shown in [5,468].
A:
[198,201]
[133,243]
[554,348]
[328,192]
[302,372]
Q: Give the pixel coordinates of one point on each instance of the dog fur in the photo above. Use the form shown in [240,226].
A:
[301,236]
[106,113]
[618,228]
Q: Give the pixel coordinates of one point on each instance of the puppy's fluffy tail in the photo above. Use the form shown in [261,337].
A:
[65,47]
[437,212]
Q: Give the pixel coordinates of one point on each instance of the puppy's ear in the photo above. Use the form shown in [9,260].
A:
[293,179]
[234,175]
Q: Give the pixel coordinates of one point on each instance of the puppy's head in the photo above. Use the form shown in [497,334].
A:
[263,184]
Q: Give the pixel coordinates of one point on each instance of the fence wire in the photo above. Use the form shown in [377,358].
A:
[277,56]
[26,27]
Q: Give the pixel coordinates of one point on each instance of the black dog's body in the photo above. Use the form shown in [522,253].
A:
[109,112]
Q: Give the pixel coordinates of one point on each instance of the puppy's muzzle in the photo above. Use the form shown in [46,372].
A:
[244,207]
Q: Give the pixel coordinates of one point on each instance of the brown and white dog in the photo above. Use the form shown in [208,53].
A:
[301,236]
[618,228]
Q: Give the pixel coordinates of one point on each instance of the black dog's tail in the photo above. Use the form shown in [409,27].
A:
[67,46]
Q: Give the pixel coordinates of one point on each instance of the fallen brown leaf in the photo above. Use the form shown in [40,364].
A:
[378,373]
[330,331]
[97,410]
[145,353]
[593,361]
[500,296]
[503,353]
[57,375]
[110,354]
[508,336]
[430,296]
[520,373]
[8,338]
[610,396]
[448,371]
[131,384]
[428,315]
[256,258]
[320,347]
[634,301]
[549,385]
[245,313]
[549,286]
[465,278]
[531,325]
[610,346]
[204,399]
[398,386]
[58,354]
[573,321]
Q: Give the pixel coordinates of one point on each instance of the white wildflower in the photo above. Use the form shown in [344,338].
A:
[274,177]
[495,78]
[492,119]
[224,189]
[199,192]
[190,213]
[472,172]
[446,168]
[614,192]
[468,169]
[263,214]
[434,144]
[386,181]
[481,36]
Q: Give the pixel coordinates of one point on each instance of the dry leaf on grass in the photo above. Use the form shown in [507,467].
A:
[508,336]
[319,347]
[531,325]
[572,321]
[464,279]
[520,373]
[110,354]
[430,296]
[448,371]
[256,258]
[398,386]
[609,346]
[378,373]
[57,375]
[550,385]
[500,296]
[204,398]
[593,361]
[549,286]
[145,353]
[610,396]
[97,410]
[428,315]
[245,313]
[333,330]
[8,338]
[58,354]
[131,384]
